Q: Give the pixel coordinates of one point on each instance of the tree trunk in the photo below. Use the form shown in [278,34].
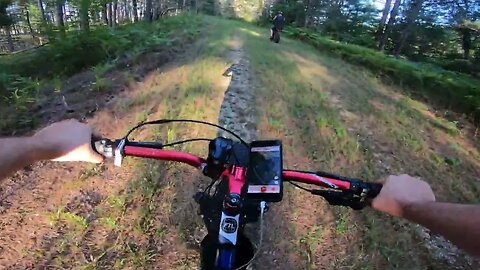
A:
[148,10]
[29,24]
[126,14]
[110,15]
[8,33]
[59,17]
[466,42]
[383,19]
[104,13]
[42,11]
[134,10]
[114,15]
[84,16]
[308,12]
[388,27]
[412,15]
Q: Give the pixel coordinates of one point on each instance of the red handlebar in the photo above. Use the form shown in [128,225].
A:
[197,162]
[170,155]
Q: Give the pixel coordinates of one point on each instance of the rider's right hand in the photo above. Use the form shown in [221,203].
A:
[399,192]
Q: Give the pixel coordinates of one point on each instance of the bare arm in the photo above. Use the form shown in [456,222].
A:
[458,223]
[68,140]
[413,199]
[16,153]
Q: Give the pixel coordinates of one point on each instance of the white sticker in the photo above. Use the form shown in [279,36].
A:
[228,229]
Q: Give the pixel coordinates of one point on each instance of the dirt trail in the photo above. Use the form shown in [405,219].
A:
[237,112]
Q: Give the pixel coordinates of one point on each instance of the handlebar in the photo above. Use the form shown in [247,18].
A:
[337,190]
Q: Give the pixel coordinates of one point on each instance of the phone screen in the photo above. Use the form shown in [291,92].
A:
[264,172]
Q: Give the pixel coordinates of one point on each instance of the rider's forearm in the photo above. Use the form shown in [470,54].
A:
[456,222]
[16,153]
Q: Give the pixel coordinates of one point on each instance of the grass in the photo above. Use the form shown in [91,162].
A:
[76,222]
[326,102]
[452,90]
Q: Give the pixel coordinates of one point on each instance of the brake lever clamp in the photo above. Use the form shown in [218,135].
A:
[219,151]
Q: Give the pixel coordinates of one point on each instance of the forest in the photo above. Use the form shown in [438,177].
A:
[362,88]
[443,32]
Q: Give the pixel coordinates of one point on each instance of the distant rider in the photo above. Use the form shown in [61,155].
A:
[278,22]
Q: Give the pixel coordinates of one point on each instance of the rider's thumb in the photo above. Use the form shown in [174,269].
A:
[96,158]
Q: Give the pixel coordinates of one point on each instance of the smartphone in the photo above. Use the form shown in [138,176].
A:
[264,173]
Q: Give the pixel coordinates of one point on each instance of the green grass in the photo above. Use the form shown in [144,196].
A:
[450,89]
[76,222]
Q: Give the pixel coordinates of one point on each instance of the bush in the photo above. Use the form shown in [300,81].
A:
[450,89]
[460,65]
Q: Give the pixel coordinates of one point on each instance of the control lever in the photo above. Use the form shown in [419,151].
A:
[343,198]
[110,149]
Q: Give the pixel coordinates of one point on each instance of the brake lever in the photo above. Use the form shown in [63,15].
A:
[342,198]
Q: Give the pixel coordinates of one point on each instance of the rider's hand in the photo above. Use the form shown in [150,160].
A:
[67,140]
[399,192]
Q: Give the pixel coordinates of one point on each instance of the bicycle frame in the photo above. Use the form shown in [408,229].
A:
[230,219]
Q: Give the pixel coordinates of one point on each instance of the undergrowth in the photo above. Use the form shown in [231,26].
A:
[24,75]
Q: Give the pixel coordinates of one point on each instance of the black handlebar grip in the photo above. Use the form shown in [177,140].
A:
[373,189]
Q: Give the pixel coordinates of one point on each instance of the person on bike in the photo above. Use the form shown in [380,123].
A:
[402,196]
[278,22]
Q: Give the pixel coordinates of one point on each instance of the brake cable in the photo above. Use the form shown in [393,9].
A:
[166,121]
[186,141]
[335,197]
[299,186]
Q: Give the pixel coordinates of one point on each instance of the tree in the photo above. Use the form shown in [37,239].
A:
[383,19]
[126,14]
[411,16]
[110,15]
[135,10]
[389,26]
[42,11]
[463,15]
[84,16]
[104,13]
[59,16]
[114,15]
[6,22]
[27,19]
[148,10]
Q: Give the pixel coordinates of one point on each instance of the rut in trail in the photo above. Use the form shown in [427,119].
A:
[237,112]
